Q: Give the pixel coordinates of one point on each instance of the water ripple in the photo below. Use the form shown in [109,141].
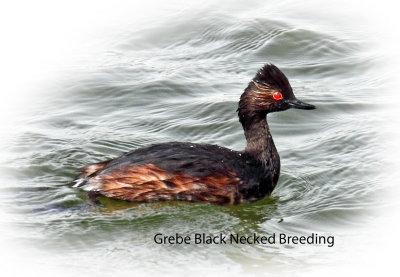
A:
[181,81]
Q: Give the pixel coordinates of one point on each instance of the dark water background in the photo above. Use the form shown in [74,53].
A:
[179,79]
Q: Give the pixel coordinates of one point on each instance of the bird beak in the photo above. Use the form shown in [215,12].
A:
[297,104]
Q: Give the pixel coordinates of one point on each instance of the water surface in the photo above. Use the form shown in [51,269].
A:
[179,79]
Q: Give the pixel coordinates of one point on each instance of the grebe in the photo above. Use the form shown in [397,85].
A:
[203,172]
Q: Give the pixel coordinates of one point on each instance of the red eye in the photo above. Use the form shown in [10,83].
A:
[277,95]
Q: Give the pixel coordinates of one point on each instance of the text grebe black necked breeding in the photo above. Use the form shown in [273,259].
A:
[203,172]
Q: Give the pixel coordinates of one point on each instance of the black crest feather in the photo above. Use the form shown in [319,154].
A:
[272,76]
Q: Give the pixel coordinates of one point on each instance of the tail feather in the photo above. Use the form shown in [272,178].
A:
[78,182]
[87,172]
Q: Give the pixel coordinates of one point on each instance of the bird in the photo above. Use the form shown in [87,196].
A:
[197,172]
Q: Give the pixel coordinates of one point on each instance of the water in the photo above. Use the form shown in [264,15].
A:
[178,78]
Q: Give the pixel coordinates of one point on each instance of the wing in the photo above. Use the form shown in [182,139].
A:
[148,182]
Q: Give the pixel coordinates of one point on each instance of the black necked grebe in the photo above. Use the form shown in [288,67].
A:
[203,172]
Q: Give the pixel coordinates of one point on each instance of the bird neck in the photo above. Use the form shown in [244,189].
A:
[260,144]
